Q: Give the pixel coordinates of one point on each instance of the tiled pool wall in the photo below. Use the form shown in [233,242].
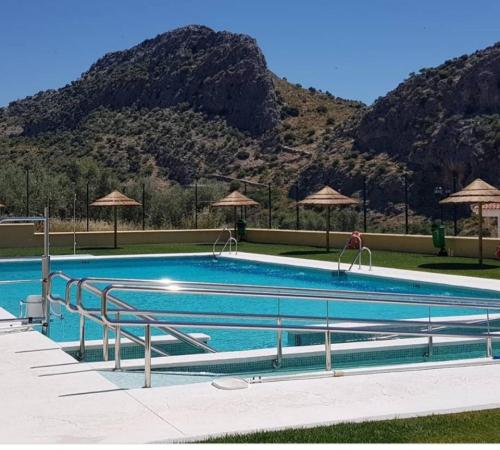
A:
[95,354]
[348,359]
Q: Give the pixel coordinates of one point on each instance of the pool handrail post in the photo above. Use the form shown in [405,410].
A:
[430,340]
[46,271]
[105,342]
[117,344]
[489,340]
[279,345]
[81,351]
[328,351]
[147,357]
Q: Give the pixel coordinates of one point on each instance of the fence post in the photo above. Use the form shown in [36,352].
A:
[297,208]
[406,202]
[87,206]
[143,206]
[27,192]
[364,205]
[196,204]
[270,204]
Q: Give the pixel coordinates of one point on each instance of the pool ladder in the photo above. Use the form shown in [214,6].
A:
[359,254]
[230,241]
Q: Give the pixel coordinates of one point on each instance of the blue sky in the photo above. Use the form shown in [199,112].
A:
[355,49]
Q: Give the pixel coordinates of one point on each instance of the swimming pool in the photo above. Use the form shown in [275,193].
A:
[225,270]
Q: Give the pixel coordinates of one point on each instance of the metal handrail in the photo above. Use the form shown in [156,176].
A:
[358,254]
[88,313]
[359,257]
[85,284]
[230,241]
[279,326]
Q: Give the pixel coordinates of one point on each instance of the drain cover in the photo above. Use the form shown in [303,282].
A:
[230,383]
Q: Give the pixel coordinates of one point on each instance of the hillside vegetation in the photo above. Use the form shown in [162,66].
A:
[194,102]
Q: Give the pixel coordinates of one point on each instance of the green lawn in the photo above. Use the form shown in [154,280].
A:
[411,261]
[472,427]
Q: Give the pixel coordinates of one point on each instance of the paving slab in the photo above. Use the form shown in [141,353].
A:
[201,410]
[47,397]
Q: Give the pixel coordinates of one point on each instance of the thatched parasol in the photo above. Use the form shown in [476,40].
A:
[234,199]
[328,197]
[115,199]
[477,193]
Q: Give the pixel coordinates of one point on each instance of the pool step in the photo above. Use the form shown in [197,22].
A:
[130,350]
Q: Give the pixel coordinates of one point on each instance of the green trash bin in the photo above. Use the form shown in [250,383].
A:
[241,229]
[439,239]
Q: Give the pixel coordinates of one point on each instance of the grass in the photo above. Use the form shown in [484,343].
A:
[409,261]
[471,427]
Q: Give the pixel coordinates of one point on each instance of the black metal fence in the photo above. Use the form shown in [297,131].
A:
[397,209]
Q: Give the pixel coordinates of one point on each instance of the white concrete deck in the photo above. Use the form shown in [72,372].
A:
[47,397]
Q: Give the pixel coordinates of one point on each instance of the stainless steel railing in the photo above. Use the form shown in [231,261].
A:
[86,284]
[124,315]
[427,330]
[230,241]
[359,254]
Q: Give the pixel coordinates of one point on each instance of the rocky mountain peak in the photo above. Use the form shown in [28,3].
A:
[217,73]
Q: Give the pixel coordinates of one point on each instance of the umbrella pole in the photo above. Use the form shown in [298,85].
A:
[328,229]
[235,219]
[116,226]
[480,234]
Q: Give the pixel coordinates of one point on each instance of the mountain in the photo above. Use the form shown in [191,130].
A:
[187,103]
[193,102]
[443,123]
[216,73]
[441,127]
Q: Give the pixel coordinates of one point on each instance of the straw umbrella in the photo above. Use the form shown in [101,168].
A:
[477,193]
[115,199]
[328,197]
[234,199]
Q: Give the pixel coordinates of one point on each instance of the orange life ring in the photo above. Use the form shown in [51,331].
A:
[355,241]
[497,254]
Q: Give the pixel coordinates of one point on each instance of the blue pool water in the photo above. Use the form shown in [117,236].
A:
[224,270]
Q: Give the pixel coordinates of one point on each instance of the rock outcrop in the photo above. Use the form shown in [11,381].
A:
[217,73]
